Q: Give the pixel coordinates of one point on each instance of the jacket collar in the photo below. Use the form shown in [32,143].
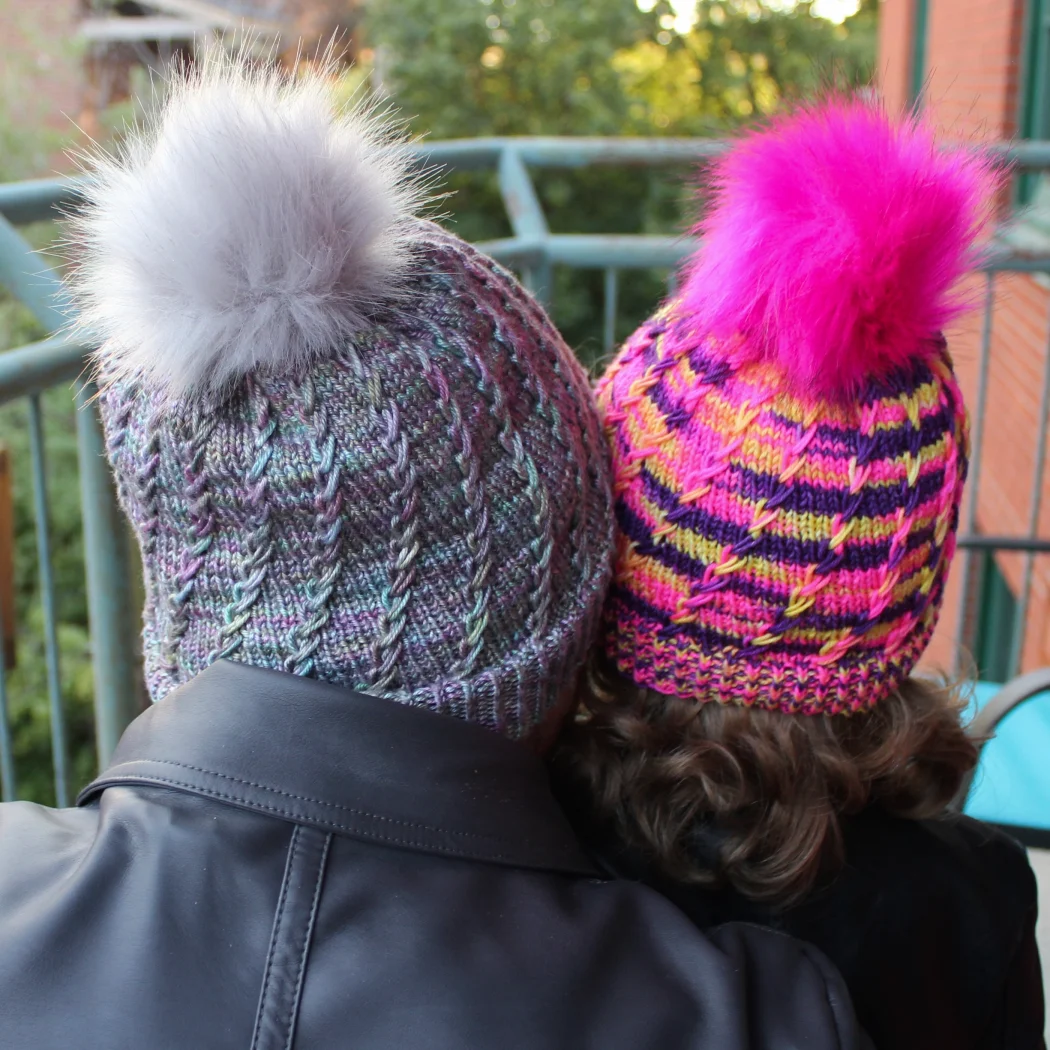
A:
[318,754]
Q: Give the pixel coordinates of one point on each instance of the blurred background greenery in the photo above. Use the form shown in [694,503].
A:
[454,68]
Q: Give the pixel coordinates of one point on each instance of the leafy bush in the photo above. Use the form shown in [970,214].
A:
[466,68]
[25,152]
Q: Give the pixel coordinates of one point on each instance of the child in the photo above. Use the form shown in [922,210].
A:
[789,446]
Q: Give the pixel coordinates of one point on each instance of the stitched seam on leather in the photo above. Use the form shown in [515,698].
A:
[275,938]
[307,938]
[315,801]
[303,818]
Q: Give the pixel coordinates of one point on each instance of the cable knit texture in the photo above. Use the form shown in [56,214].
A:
[424,513]
[789,440]
[776,552]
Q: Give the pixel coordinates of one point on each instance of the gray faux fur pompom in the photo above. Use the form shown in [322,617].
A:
[249,225]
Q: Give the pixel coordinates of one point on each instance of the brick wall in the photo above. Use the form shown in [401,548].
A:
[973,77]
[972,65]
[893,69]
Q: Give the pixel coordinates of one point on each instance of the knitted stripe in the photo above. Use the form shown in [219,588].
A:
[592,483]
[762,538]
[476,515]
[542,546]
[118,411]
[144,492]
[737,625]
[506,306]
[141,491]
[326,545]
[199,532]
[404,545]
[689,535]
[591,534]
[535,490]
[255,565]
[789,683]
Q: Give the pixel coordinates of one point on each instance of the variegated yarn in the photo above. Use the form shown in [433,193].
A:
[789,441]
[421,510]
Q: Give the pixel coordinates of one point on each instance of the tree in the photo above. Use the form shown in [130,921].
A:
[742,59]
[26,150]
[464,68]
[509,67]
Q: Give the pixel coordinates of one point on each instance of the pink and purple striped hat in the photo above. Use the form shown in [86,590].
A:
[789,440]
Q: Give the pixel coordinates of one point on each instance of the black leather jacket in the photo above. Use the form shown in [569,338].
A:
[273,863]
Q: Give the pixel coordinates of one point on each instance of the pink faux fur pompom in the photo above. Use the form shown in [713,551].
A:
[835,241]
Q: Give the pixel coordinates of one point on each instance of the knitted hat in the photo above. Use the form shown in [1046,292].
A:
[351,447]
[789,441]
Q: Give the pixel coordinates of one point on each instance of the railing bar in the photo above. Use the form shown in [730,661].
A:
[34,368]
[612,281]
[7,751]
[1021,612]
[35,199]
[1016,264]
[1003,543]
[30,279]
[527,220]
[537,254]
[110,616]
[59,750]
[976,444]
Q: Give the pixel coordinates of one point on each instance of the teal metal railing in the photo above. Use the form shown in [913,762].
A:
[533,250]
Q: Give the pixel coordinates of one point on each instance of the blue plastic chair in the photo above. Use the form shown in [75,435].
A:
[1011,785]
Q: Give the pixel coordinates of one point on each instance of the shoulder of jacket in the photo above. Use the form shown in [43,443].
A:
[992,846]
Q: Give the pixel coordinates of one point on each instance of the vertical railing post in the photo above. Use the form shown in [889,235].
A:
[7,750]
[59,748]
[7,612]
[969,512]
[610,303]
[526,219]
[112,618]
[7,559]
[920,17]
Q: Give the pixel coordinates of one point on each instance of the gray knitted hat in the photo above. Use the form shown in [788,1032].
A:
[351,447]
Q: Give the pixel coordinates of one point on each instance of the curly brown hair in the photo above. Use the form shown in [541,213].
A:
[774,787]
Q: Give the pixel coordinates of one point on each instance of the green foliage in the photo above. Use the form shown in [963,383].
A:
[27,683]
[742,59]
[26,151]
[466,68]
[30,715]
[27,144]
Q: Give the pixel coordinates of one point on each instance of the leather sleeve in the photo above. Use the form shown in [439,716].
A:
[796,997]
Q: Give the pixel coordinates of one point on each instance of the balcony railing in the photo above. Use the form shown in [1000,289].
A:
[533,250]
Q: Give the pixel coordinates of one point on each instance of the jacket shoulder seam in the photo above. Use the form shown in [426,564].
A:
[308,798]
[302,818]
